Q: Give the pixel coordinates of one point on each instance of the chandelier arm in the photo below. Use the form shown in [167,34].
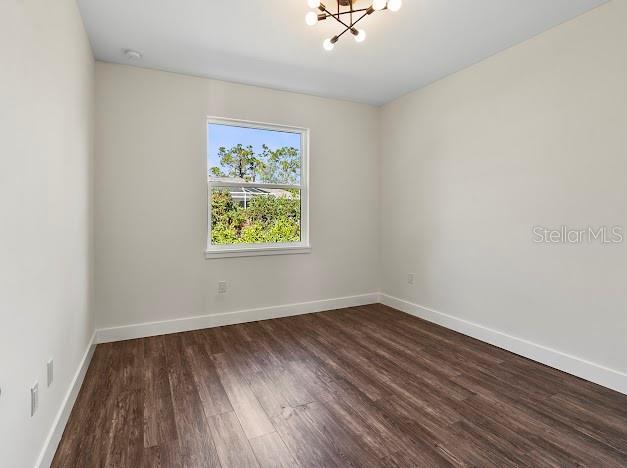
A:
[359,19]
[337,17]
[348,28]
[345,12]
[351,12]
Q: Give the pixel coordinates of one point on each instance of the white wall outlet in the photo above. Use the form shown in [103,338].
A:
[50,372]
[222,287]
[34,399]
[410,278]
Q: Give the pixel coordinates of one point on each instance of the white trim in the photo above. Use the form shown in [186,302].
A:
[141,330]
[255,251]
[234,250]
[254,124]
[58,426]
[262,185]
[597,373]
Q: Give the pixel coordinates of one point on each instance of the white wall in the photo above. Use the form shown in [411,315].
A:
[151,222]
[535,135]
[46,95]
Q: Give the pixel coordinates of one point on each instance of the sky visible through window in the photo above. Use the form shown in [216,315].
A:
[229,136]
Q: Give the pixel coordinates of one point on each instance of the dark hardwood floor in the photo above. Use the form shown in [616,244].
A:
[363,387]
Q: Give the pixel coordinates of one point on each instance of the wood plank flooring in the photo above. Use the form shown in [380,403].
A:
[363,387]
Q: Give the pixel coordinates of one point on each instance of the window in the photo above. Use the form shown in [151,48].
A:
[257,189]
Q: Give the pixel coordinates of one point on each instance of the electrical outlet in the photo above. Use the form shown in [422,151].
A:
[50,372]
[222,287]
[410,278]
[34,399]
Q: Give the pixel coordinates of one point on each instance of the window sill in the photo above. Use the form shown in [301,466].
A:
[256,251]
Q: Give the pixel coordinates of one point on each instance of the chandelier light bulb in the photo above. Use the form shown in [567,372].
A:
[313,3]
[395,5]
[360,36]
[379,4]
[311,18]
[328,45]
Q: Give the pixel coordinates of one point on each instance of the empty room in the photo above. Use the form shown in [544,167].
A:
[294,233]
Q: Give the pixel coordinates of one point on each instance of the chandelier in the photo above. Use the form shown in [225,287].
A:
[347,16]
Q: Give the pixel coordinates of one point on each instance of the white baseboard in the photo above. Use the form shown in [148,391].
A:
[591,371]
[141,330]
[58,426]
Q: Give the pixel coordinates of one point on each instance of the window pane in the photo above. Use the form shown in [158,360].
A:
[253,155]
[245,215]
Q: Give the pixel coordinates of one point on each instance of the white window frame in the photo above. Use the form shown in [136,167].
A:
[251,250]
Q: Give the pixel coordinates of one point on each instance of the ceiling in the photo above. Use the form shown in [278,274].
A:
[266,42]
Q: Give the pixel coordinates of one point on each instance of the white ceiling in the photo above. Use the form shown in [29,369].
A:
[266,42]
